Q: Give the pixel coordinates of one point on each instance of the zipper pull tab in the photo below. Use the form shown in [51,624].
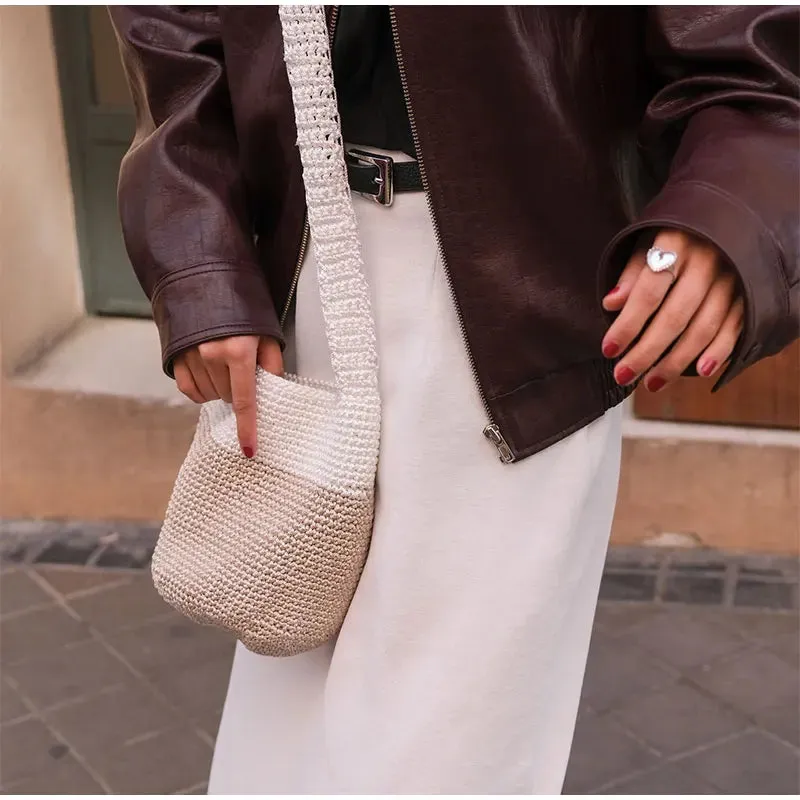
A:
[492,433]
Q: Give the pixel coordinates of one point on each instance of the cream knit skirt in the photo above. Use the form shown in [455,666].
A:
[459,666]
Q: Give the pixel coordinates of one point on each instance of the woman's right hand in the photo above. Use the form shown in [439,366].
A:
[226,369]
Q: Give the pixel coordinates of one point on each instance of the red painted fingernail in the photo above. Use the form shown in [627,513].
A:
[248,451]
[656,384]
[625,375]
[708,367]
[613,291]
[610,349]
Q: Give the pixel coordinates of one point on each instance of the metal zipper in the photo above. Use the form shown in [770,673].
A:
[301,255]
[492,430]
[334,20]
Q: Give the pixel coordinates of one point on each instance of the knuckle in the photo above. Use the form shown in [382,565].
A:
[705,255]
[241,350]
[669,238]
[706,269]
[673,318]
[184,382]
[187,388]
[645,362]
[727,339]
[705,330]
[211,351]
[651,294]
[242,405]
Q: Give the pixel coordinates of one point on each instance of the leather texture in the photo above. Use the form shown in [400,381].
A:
[554,139]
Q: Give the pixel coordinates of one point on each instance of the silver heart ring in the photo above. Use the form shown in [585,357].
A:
[661,260]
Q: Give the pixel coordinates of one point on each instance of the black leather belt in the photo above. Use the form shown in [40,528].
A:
[380,177]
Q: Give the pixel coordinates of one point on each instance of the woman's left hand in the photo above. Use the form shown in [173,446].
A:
[693,315]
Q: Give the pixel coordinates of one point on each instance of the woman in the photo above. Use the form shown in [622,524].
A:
[501,146]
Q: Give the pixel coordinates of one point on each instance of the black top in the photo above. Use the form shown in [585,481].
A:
[371,103]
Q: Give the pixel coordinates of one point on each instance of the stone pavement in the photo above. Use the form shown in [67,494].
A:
[105,689]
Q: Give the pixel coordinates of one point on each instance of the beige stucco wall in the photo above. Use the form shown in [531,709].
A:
[41,294]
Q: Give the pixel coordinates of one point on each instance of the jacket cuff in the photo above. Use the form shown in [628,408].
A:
[211,301]
[706,211]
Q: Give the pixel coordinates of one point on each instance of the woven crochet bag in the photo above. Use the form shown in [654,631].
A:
[271,548]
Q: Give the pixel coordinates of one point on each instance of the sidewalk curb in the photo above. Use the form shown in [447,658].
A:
[700,576]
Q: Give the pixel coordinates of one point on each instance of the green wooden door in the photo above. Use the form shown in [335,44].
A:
[99,124]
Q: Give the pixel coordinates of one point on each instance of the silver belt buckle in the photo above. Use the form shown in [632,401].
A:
[385,179]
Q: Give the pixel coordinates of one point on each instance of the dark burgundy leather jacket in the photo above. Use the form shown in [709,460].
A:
[551,138]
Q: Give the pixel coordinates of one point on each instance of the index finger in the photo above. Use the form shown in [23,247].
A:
[243,392]
[620,293]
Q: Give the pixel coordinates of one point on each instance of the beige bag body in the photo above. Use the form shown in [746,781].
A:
[272,548]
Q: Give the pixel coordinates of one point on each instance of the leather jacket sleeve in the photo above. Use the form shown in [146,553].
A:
[728,97]
[181,199]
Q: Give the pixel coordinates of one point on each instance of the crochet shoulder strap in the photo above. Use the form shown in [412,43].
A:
[343,288]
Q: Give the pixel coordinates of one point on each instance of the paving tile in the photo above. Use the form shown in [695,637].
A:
[628,586]
[752,763]
[117,716]
[752,680]
[36,632]
[716,616]
[169,762]
[684,639]
[617,671]
[65,776]
[121,607]
[199,690]
[27,748]
[759,594]
[18,592]
[602,752]
[68,581]
[759,626]
[614,618]
[209,721]
[679,718]
[786,647]
[696,589]
[67,673]
[11,705]
[170,644]
[138,747]
[667,779]
[783,720]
